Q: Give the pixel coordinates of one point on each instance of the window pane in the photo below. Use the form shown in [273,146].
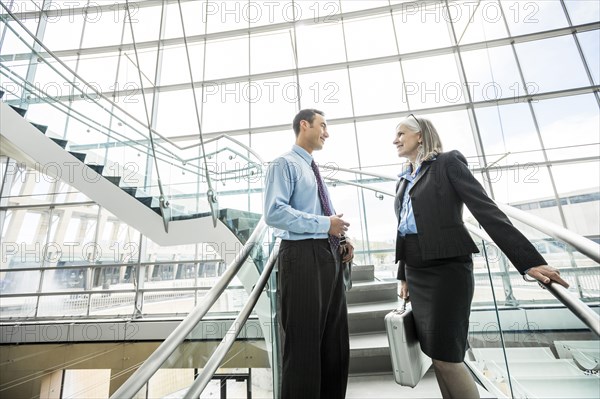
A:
[455,131]
[574,117]
[432,82]
[420,26]
[339,149]
[582,217]
[271,51]
[12,44]
[102,28]
[145,22]
[541,65]
[492,73]
[361,34]
[227,58]
[327,91]
[64,31]
[377,89]
[226,110]
[273,101]
[129,74]
[533,16]
[194,16]
[100,71]
[477,21]
[273,144]
[509,129]
[377,153]
[590,42]
[175,67]
[313,50]
[50,81]
[45,113]
[583,11]
[179,103]
[227,15]
[268,12]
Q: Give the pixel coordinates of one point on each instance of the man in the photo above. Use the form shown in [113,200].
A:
[312,298]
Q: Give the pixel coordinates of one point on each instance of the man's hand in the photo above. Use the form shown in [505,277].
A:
[347,251]
[338,226]
[545,274]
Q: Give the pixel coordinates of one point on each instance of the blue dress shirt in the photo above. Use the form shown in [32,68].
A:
[291,203]
[407,225]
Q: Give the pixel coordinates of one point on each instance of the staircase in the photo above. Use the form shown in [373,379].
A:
[535,373]
[30,143]
[369,301]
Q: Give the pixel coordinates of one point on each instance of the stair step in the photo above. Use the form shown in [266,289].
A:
[96,168]
[60,142]
[369,317]
[136,192]
[513,354]
[244,223]
[150,202]
[370,353]
[1,93]
[79,155]
[243,235]
[41,128]
[20,111]
[191,216]
[363,273]
[372,291]
[113,179]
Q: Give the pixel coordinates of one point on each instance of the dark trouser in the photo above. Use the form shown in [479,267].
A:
[314,321]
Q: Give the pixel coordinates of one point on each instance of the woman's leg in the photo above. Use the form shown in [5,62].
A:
[455,380]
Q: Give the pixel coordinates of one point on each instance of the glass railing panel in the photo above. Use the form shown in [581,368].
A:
[18,307]
[19,282]
[248,364]
[69,305]
[527,344]
[576,268]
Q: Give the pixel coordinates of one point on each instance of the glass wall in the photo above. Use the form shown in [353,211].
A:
[486,73]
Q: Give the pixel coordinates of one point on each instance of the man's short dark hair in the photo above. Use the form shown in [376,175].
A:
[305,115]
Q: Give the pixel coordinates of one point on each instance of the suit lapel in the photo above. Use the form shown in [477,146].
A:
[400,189]
[424,168]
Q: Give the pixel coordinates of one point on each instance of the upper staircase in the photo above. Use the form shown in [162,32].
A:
[32,144]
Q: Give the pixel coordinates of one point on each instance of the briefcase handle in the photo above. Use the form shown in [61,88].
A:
[402,309]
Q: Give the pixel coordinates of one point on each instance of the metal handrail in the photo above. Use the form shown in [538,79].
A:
[218,355]
[579,309]
[172,342]
[584,245]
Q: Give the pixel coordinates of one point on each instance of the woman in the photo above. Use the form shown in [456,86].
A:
[434,248]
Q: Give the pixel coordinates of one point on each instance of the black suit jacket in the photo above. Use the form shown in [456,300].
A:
[439,192]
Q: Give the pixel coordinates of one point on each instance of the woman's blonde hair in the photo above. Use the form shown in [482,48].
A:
[432,145]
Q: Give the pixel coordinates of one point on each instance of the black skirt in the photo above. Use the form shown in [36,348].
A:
[441,292]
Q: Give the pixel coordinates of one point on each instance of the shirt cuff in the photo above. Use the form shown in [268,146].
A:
[323,224]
